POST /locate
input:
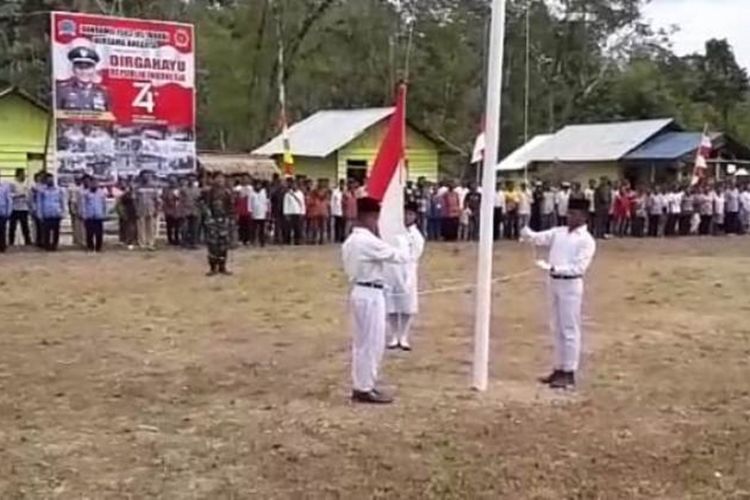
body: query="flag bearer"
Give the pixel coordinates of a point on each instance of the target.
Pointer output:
(364, 256)
(572, 249)
(402, 301)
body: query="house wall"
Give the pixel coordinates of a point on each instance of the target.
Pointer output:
(421, 153)
(315, 168)
(23, 128)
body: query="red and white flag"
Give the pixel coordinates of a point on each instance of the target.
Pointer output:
(477, 154)
(701, 159)
(388, 175)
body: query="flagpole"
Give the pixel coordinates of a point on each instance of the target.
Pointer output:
(489, 176)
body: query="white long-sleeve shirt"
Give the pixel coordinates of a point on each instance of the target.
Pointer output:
(365, 256)
(337, 199)
(259, 204)
(570, 253)
(562, 198)
(294, 203)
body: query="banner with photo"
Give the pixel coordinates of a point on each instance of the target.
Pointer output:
(124, 96)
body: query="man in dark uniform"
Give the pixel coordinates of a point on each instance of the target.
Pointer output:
(82, 93)
(217, 204)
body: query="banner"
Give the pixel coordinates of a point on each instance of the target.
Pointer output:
(124, 96)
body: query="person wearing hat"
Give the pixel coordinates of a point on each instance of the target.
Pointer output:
(81, 92)
(365, 255)
(402, 301)
(572, 249)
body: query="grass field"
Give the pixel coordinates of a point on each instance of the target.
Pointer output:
(131, 375)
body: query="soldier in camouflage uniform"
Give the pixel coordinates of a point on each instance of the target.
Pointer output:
(217, 204)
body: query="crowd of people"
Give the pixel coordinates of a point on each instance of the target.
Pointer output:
(296, 211)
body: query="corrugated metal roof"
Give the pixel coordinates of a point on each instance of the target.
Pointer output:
(326, 131)
(598, 141)
(520, 158)
(667, 146)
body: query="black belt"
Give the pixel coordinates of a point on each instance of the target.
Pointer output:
(560, 277)
(377, 286)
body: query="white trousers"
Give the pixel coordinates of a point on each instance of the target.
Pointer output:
(399, 326)
(367, 308)
(565, 320)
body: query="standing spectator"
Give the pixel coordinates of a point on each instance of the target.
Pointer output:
(451, 204)
(259, 205)
(37, 187)
(602, 205)
(294, 211)
(21, 205)
(547, 208)
(50, 211)
(461, 190)
(537, 198)
(410, 193)
(732, 215)
(655, 208)
(562, 198)
(242, 192)
(320, 213)
(705, 203)
(6, 208)
(499, 211)
(589, 194)
(639, 213)
(170, 200)
(687, 210)
(75, 208)
(147, 209)
(94, 213)
(350, 206)
(423, 190)
(745, 209)
(308, 224)
(511, 210)
(622, 211)
(673, 200)
(128, 216)
(525, 200)
(190, 194)
(473, 202)
(719, 206)
(276, 193)
(434, 214)
(337, 211)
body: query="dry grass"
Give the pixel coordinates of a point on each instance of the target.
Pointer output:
(133, 376)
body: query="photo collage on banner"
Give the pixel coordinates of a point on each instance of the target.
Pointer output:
(124, 96)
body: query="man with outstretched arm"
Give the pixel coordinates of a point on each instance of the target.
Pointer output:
(572, 249)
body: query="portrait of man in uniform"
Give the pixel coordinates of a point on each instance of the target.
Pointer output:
(82, 92)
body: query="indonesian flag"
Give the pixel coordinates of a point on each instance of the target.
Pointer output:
(477, 154)
(701, 164)
(388, 175)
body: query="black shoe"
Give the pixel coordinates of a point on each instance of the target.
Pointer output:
(225, 272)
(564, 381)
(551, 377)
(371, 397)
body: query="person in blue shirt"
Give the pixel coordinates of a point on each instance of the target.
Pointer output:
(94, 212)
(6, 208)
(50, 210)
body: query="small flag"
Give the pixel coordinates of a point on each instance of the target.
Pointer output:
(701, 159)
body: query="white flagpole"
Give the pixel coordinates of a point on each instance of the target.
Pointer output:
(489, 176)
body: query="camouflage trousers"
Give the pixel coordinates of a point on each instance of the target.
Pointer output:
(218, 239)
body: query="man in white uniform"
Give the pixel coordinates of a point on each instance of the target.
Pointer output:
(572, 249)
(365, 255)
(402, 300)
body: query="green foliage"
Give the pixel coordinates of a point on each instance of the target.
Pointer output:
(589, 60)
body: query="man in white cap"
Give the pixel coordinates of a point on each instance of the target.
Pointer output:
(402, 301)
(572, 249)
(365, 255)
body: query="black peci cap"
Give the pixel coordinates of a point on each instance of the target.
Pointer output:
(368, 205)
(578, 204)
(83, 55)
